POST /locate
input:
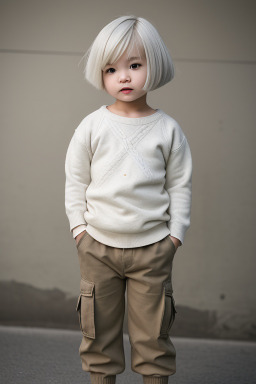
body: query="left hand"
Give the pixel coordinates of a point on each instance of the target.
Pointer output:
(175, 241)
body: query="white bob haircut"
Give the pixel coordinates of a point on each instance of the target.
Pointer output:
(123, 34)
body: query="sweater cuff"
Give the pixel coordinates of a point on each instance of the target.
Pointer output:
(78, 230)
(177, 230)
(76, 218)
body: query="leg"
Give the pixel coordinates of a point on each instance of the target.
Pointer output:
(151, 311)
(101, 308)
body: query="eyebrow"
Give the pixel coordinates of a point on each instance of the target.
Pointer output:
(134, 58)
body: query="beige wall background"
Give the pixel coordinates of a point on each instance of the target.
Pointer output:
(44, 98)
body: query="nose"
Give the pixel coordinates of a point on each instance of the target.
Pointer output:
(124, 77)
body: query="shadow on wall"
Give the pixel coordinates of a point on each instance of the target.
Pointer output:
(24, 305)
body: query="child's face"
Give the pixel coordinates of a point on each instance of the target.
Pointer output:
(125, 78)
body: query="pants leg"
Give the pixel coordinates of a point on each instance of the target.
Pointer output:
(151, 311)
(101, 306)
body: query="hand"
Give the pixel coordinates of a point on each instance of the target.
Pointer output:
(175, 241)
(78, 237)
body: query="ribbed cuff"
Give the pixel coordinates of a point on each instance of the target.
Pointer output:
(97, 378)
(155, 379)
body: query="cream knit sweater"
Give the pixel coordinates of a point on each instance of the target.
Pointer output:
(128, 180)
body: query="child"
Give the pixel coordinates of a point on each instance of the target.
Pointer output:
(127, 197)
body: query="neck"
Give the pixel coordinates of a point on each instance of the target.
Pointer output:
(136, 108)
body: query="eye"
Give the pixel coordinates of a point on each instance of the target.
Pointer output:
(135, 66)
(110, 70)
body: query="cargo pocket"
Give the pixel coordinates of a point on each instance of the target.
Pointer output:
(85, 308)
(169, 310)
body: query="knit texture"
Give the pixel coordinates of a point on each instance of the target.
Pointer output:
(128, 180)
(155, 380)
(100, 379)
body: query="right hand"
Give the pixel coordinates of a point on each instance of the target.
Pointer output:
(78, 237)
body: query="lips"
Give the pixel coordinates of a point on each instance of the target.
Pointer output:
(126, 90)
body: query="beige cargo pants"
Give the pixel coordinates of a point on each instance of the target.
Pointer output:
(106, 272)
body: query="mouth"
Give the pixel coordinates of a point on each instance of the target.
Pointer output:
(126, 90)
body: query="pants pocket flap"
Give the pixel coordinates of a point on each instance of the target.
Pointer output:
(86, 287)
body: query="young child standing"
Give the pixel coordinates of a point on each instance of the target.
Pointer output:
(127, 197)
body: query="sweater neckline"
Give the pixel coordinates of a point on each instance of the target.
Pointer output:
(132, 120)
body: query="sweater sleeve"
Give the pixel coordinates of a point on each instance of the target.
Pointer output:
(77, 169)
(77, 230)
(178, 185)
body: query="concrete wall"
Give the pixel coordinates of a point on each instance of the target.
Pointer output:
(43, 99)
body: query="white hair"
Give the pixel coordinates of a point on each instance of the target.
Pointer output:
(119, 35)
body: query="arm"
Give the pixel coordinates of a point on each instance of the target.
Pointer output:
(77, 169)
(79, 229)
(178, 185)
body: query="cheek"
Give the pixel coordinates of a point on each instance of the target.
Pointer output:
(109, 82)
(105, 82)
(142, 79)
